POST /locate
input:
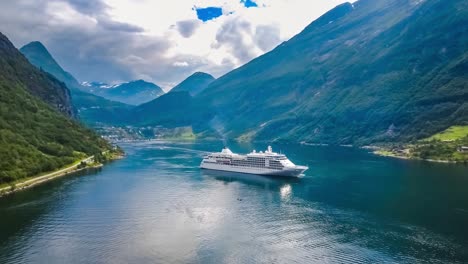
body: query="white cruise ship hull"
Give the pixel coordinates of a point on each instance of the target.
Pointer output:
(296, 171)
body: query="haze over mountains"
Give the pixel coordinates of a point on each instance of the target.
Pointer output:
(91, 109)
(371, 71)
(132, 93)
(103, 104)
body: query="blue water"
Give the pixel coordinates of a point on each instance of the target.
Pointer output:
(156, 206)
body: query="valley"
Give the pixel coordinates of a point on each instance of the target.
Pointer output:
(234, 131)
(390, 85)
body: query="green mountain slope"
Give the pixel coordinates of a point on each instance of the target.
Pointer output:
(132, 93)
(37, 133)
(16, 68)
(380, 70)
(175, 108)
(169, 110)
(92, 109)
(195, 83)
(96, 110)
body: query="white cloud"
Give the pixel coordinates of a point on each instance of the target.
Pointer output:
(162, 41)
(181, 64)
(224, 38)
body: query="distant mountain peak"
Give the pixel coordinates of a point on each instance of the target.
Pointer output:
(39, 56)
(133, 92)
(195, 83)
(202, 74)
(36, 44)
(38, 49)
(138, 81)
(138, 84)
(99, 85)
(331, 16)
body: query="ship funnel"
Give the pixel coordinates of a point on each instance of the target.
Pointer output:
(226, 151)
(270, 150)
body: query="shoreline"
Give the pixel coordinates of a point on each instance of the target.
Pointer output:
(388, 155)
(374, 149)
(37, 180)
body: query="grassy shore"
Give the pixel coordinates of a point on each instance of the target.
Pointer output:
(442, 147)
(82, 164)
(451, 134)
(180, 133)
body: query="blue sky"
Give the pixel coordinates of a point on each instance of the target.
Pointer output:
(249, 3)
(155, 40)
(208, 13)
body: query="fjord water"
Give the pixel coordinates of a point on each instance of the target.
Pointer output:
(157, 206)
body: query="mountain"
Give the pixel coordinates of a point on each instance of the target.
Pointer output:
(169, 110)
(39, 56)
(37, 131)
(17, 69)
(94, 87)
(97, 111)
(132, 93)
(372, 71)
(194, 84)
(174, 108)
(92, 109)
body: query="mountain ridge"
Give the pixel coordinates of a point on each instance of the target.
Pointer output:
(170, 110)
(343, 79)
(135, 92)
(195, 83)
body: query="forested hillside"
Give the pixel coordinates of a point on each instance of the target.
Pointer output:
(169, 110)
(37, 131)
(16, 68)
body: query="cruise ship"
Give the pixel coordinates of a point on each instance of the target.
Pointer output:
(260, 163)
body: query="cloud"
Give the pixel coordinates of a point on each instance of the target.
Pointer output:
(159, 41)
(181, 64)
(235, 35)
(187, 28)
(119, 26)
(89, 7)
(267, 37)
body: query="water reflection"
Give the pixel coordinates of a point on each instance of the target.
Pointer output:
(281, 184)
(286, 192)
